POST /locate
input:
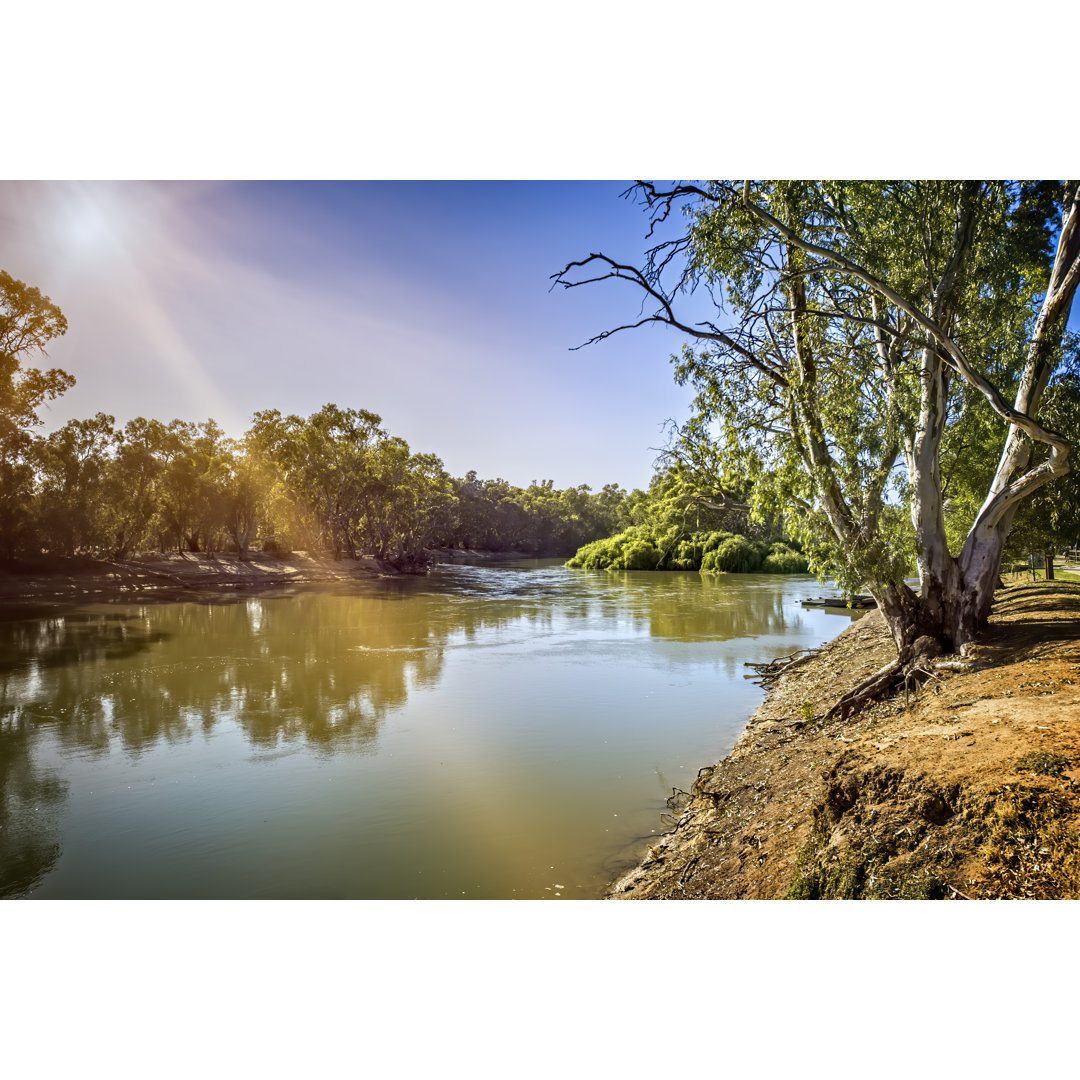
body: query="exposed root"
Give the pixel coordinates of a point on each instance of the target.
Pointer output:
(871, 688)
(954, 665)
(913, 670)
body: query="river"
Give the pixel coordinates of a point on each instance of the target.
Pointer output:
(484, 732)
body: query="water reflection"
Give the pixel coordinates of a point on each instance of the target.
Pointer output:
(325, 669)
(58, 640)
(31, 804)
(94, 694)
(313, 668)
(673, 606)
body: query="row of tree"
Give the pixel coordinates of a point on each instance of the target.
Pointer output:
(333, 481)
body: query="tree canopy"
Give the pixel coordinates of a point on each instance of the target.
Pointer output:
(874, 345)
(28, 322)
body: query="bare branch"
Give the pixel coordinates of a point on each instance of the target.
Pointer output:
(632, 274)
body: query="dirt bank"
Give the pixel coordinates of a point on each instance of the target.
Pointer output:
(970, 790)
(172, 576)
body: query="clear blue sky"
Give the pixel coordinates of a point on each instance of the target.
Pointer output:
(426, 302)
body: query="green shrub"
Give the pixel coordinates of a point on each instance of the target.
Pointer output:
(595, 556)
(639, 555)
(782, 559)
(736, 555)
(685, 555)
(708, 563)
(711, 541)
(788, 563)
(640, 548)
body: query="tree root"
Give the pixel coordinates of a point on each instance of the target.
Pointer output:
(912, 669)
(955, 665)
(873, 686)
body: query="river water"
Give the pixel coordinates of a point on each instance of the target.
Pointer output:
(484, 732)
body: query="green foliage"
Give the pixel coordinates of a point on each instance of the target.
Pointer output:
(736, 555)
(783, 559)
(639, 555)
(1050, 520)
(641, 547)
(28, 322)
(632, 549)
(71, 506)
(678, 525)
(493, 515)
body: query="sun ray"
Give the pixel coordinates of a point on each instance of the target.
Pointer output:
(125, 241)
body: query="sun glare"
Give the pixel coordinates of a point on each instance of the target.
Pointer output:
(116, 256)
(92, 223)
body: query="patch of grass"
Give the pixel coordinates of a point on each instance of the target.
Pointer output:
(857, 874)
(1023, 576)
(1043, 763)
(1030, 850)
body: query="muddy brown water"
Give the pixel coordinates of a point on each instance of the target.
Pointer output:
(485, 732)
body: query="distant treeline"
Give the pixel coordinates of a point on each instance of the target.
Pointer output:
(334, 481)
(337, 481)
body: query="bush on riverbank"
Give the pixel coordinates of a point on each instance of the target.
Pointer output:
(640, 548)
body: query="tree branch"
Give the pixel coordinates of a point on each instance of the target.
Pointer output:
(631, 273)
(953, 354)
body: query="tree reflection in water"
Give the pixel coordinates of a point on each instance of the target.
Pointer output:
(31, 804)
(314, 669)
(305, 667)
(318, 670)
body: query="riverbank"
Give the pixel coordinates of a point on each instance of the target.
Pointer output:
(969, 790)
(471, 557)
(173, 575)
(178, 574)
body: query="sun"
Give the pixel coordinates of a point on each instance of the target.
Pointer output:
(92, 222)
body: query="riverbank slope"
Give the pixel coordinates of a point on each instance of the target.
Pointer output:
(969, 790)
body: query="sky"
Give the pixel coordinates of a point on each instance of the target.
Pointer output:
(429, 303)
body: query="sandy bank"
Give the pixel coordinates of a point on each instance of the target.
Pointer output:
(173, 576)
(970, 790)
(180, 575)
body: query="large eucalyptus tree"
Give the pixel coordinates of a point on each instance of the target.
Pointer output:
(859, 332)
